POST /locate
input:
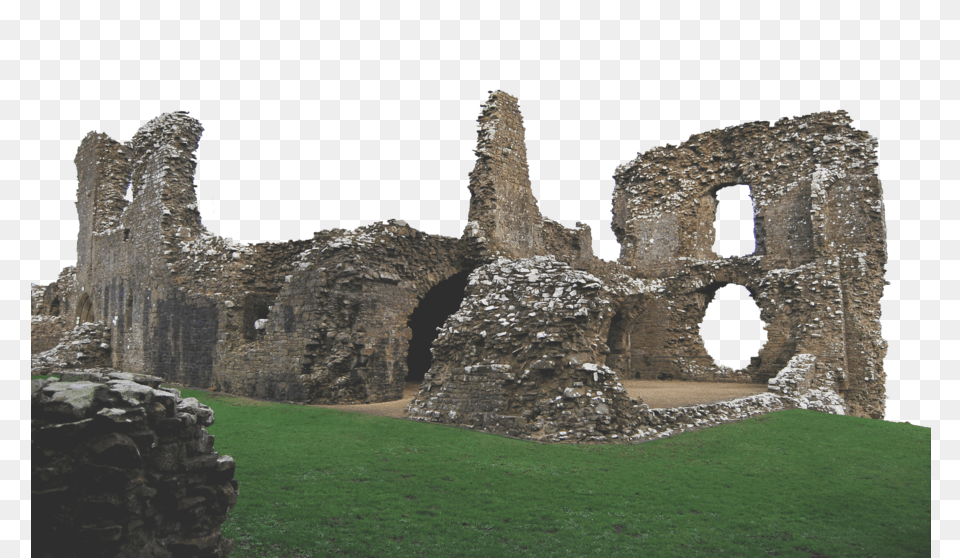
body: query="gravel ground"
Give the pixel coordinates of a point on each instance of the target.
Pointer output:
(656, 394)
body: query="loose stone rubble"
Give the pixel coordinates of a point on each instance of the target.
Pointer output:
(123, 467)
(86, 346)
(535, 333)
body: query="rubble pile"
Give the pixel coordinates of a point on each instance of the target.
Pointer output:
(85, 346)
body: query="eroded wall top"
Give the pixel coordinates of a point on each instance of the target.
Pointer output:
(664, 202)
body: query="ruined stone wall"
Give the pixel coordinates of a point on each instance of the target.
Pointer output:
(121, 275)
(503, 210)
(52, 315)
(85, 346)
(816, 274)
(341, 317)
(124, 467)
(524, 355)
(338, 332)
(45, 333)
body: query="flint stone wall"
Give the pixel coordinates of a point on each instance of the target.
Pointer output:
(534, 329)
(124, 467)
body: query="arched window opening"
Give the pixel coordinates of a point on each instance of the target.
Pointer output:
(734, 222)
(732, 330)
(437, 305)
(85, 309)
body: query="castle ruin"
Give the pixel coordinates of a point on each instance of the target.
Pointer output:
(515, 327)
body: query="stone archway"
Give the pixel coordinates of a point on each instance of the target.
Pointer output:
(437, 305)
(85, 309)
(620, 357)
(723, 332)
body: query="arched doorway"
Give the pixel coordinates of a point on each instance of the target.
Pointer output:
(85, 309)
(437, 305)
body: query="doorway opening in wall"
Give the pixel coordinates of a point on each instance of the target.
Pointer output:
(85, 309)
(437, 305)
(734, 222)
(732, 330)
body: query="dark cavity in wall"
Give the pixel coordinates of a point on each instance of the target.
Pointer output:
(255, 307)
(85, 308)
(439, 302)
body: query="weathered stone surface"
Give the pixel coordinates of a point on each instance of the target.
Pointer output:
(545, 330)
(86, 346)
(816, 273)
(110, 473)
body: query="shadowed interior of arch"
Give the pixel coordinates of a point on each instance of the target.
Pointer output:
(437, 305)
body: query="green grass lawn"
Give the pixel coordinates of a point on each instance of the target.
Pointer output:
(318, 482)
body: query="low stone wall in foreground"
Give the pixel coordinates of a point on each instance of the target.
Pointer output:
(600, 411)
(122, 467)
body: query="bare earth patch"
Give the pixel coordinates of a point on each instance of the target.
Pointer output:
(658, 394)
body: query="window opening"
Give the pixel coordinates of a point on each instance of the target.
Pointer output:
(734, 222)
(256, 310)
(732, 330)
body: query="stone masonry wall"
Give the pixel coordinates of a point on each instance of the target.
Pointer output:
(818, 224)
(45, 333)
(124, 467)
(85, 346)
(503, 209)
(338, 318)
(338, 330)
(524, 355)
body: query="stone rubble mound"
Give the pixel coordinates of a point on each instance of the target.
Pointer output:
(86, 346)
(531, 331)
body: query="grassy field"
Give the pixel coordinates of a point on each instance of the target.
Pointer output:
(318, 482)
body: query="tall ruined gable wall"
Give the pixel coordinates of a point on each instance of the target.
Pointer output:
(816, 273)
(149, 267)
(502, 203)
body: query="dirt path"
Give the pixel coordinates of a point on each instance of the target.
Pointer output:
(656, 394)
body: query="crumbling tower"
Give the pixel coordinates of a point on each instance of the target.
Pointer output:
(503, 215)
